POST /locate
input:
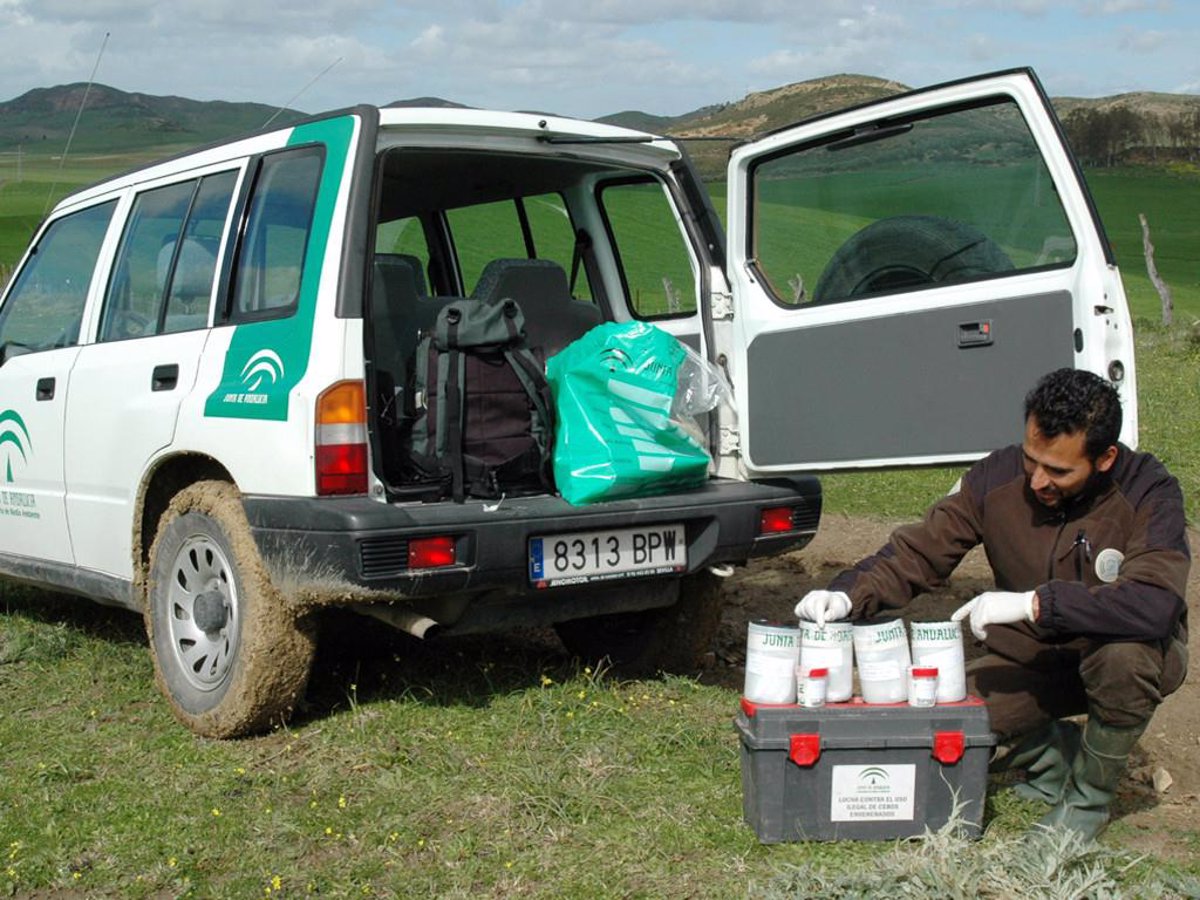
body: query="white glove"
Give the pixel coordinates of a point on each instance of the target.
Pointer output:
(996, 608)
(823, 606)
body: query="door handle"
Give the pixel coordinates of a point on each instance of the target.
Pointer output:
(164, 378)
(45, 388)
(975, 334)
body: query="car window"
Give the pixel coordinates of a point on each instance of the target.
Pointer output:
(45, 304)
(484, 232)
(405, 237)
(163, 276)
(270, 262)
(193, 263)
(948, 197)
(489, 231)
(554, 239)
(654, 261)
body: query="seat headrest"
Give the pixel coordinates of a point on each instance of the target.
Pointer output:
(522, 279)
(403, 264)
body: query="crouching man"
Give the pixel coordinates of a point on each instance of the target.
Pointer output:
(1087, 542)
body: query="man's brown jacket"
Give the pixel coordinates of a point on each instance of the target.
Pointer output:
(1110, 564)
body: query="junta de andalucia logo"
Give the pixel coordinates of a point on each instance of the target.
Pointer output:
(15, 443)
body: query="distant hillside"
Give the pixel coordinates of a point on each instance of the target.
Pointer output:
(433, 102)
(116, 121)
(1128, 128)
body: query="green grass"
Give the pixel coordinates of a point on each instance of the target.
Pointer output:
(1170, 198)
(481, 767)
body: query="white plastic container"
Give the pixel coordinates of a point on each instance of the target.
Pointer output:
(883, 661)
(830, 647)
(922, 686)
(772, 652)
(940, 645)
(811, 686)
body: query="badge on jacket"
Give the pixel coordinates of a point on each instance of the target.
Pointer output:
(1108, 564)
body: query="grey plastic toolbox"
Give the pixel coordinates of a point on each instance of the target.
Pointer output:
(862, 772)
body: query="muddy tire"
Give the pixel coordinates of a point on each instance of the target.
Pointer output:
(908, 251)
(229, 656)
(669, 639)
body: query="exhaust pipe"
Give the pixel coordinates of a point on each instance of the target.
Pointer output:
(406, 620)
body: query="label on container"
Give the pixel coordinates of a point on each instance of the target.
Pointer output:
(873, 793)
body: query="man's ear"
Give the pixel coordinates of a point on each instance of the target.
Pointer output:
(1105, 460)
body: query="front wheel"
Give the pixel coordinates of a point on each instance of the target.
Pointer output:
(229, 656)
(669, 639)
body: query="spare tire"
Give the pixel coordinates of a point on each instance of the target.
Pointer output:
(908, 251)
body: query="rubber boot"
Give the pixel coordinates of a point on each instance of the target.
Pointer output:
(1046, 756)
(1097, 768)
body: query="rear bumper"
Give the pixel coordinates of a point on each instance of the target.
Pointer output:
(359, 547)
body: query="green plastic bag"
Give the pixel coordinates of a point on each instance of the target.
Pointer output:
(615, 435)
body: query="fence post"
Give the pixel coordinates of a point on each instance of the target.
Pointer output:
(1164, 292)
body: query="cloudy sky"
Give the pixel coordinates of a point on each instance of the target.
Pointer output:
(584, 58)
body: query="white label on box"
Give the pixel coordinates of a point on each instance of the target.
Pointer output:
(872, 793)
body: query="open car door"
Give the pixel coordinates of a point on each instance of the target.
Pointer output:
(904, 271)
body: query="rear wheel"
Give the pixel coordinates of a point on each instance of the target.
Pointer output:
(229, 655)
(670, 639)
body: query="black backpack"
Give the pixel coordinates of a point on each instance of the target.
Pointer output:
(482, 420)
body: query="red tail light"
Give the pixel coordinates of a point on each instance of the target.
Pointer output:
(431, 552)
(341, 439)
(776, 520)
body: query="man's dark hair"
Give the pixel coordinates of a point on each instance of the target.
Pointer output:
(1068, 401)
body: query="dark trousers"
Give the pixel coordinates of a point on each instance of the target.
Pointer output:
(1030, 677)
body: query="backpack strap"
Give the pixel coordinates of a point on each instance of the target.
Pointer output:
(533, 379)
(453, 405)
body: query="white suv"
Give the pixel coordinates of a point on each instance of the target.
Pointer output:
(200, 362)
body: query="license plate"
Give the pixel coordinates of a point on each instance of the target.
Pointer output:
(562, 559)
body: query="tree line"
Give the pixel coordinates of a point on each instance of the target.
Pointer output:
(1119, 134)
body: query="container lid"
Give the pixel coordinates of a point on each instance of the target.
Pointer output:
(925, 672)
(819, 673)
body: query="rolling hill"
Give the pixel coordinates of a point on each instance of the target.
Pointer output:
(115, 121)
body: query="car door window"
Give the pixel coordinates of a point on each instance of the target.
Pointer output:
(949, 196)
(193, 263)
(45, 305)
(138, 282)
(654, 261)
(163, 276)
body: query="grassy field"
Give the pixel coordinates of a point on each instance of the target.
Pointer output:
(468, 768)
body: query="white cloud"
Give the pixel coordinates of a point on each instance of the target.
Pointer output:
(1123, 7)
(1142, 41)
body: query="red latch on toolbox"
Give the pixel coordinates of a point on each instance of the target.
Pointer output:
(804, 749)
(948, 747)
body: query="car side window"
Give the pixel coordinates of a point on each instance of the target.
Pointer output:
(163, 276)
(270, 261)
(944, 197)
(193, 262)
(655, 265)
(45, 305)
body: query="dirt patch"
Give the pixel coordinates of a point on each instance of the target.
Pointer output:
(1159, 798)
